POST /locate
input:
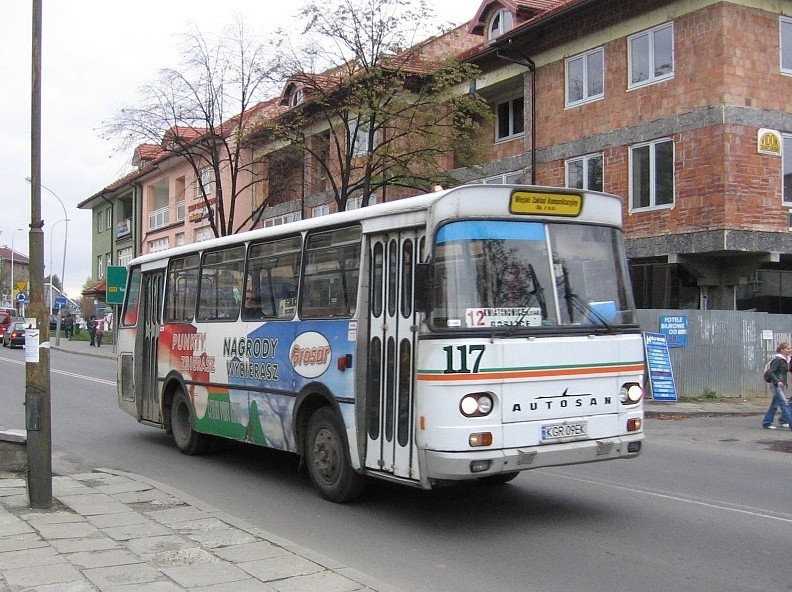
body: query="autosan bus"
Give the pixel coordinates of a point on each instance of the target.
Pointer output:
(467, 334)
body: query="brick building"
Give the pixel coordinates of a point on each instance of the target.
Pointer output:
(680, 107)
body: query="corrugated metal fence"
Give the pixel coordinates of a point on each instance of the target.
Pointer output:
(726, 350)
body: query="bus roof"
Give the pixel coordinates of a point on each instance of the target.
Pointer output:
(605, 210)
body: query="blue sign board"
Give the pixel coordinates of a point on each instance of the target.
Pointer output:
(675, 328)
(658, 360)
(61, 302)
(22, 297)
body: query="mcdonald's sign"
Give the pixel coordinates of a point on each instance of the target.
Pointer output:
(769, 142)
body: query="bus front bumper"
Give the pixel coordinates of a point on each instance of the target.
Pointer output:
(460, 466)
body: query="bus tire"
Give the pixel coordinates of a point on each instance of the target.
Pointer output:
(499, 479)
(187, 440)
(328, 459)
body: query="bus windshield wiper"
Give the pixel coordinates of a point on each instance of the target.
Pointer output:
(576, 302)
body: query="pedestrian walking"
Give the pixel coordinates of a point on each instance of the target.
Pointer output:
(99, 332)
(779, 373)
(92, 330)
(68, 326)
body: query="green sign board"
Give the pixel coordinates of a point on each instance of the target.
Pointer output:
(116, 284)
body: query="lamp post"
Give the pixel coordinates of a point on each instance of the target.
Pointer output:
(51, 285)
(65, 236)
(13, 234)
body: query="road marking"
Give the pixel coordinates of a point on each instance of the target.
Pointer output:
(64, 373)
(715, 504)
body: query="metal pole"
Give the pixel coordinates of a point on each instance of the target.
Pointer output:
(51, 285)
(13, 235)
(38, 419)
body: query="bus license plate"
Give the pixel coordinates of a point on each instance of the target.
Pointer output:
(564, 431)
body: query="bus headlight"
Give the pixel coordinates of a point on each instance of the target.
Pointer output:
(630, 393)
(476, 404)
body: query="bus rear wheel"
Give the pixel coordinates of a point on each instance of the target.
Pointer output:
(187, 440)
(328, 460)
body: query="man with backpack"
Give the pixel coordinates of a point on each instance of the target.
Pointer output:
(777, 372)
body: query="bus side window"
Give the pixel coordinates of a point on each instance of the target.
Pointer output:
(221, 281)
(273, 272)
(331, 272)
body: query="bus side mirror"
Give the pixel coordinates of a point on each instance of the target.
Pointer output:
(424, 285)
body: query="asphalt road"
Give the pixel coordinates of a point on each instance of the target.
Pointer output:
(704, 508)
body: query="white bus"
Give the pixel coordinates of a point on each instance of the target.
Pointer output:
(467, 334)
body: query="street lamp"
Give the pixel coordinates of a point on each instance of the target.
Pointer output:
(13, 235)
(65, 238)
(52, 234)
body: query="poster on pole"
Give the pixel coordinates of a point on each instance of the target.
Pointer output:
(658, 360)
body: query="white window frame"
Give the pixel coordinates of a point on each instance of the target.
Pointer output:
(512, 119)
(100, 222)
(587, 60)
(785, 25)
(159, 244)
(585, 160)
(204, 180)
(181, 211)
(501, 21)
(786, 168)
(652, 76)
(359, 140)
(510, 178)
(125, 255)
(100, 267)
(321, 210)
(652, 172)
(109, 219)
(296, 97)
(284, 219)
(159, 218)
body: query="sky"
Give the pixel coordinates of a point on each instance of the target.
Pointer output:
(96, 54)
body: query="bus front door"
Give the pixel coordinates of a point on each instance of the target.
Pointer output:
(389, 379)
(147, 343)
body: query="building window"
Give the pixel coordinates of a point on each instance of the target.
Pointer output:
(322, 210)
(99, 222)
(203, 234)
(787, 172)
(125, 256)
(511, 121)
(585, 77)
(180, 239)
(158, 245)
(204, 186)
(159, 218)
(181, 210)
(100, 267)
(501, 22)
(785, 31)
(358, 136)
(109, 219)
(511, 178)
(585, 172)
(296, 97)
(285, 219)
(651, 55)
(652, 174)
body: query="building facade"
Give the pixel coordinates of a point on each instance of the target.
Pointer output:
(679, 107)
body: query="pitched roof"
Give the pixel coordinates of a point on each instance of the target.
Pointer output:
(96, 289)
(5, 254)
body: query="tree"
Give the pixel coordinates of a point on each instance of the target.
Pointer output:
(200, 112)
(372, 108)
(55, 281)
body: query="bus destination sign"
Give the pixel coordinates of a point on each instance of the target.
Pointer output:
(546, 204)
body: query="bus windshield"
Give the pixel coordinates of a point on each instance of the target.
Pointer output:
(491, 273)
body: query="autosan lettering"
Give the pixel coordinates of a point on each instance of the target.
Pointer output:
(565, 402)
(310, 354)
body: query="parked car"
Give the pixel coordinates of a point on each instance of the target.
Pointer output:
(5, 321)
(14, 335)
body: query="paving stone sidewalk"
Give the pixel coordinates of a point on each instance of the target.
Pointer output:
(118, 532)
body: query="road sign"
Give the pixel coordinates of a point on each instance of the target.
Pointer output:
(116, 284)
(22, 297)
(61, 302)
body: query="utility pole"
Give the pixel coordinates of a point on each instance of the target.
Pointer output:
(38, 416)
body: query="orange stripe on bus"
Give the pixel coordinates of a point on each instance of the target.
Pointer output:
(529, 373)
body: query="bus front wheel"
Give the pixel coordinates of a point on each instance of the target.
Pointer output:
(328, 460)
(187, 440)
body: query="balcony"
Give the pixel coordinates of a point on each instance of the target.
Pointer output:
(159, 218)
